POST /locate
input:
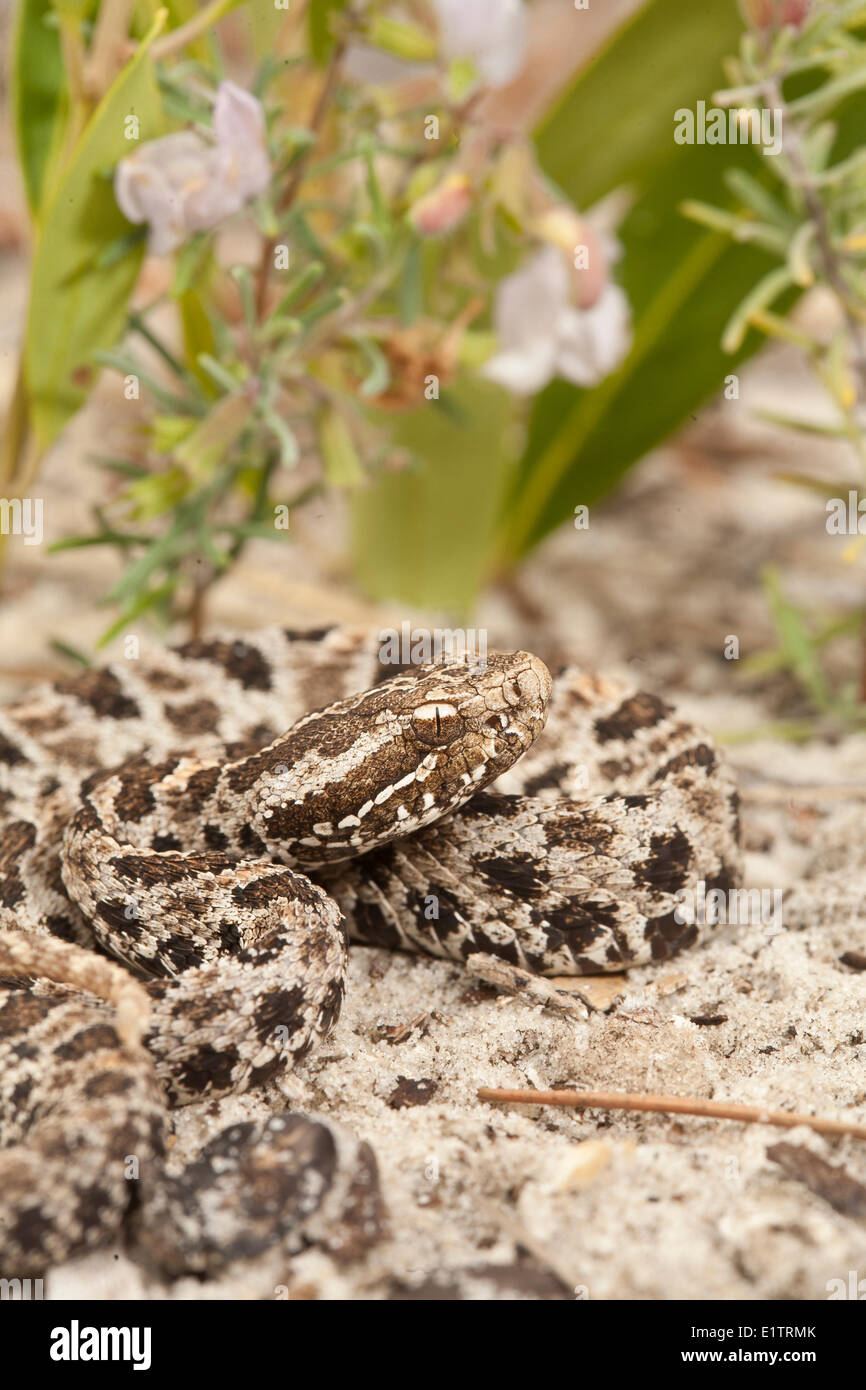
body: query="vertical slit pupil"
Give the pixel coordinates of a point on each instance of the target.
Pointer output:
(438, 722)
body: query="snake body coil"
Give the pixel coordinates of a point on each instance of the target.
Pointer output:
(160, 813)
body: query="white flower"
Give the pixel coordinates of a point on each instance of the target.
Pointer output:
(542, 335)
(239, 127)
(492, 33)
(185, 183)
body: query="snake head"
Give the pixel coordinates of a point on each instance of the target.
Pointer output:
(384, 763)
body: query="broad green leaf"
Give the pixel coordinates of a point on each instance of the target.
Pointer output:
(343, 468)
(38, 93)
(422, 534)
(266, 25)
(76, 305)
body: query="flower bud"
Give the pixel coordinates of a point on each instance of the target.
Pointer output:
(773, 14)
(561, 226)
(443, 208)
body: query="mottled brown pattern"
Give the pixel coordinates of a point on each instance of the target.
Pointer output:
(150, 814)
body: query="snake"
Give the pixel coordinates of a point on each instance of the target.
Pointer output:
(190, 840)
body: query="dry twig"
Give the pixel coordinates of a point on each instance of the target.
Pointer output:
(673, 1105)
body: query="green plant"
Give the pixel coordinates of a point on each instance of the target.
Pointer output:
(812, 220)
(360, 340)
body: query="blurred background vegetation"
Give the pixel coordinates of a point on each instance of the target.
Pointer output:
(338, 326)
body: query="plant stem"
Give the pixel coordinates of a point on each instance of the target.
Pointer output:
(317, 119)
(106, 55)
(199, 24)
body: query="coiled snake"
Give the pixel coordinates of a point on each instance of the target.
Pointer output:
(157, 812)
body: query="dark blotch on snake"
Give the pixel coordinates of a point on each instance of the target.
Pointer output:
(640, 711)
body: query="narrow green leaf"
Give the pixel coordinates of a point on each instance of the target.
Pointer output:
(412, 285)
(757, 198)
(822, 101)
(736, 226)
(378, 376)
(790, 422)
(799, 650)
(767, 290)
(151, 599)
(125, 468)
(289, 451)
(218, 373)
(128, 365)
(163, 552)
(300, 286)
(799, 262)
(71, 653)
(86, 542)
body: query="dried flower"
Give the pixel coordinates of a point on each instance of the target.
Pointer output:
(543, 335)
(185, 183)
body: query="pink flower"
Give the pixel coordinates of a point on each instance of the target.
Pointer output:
(542, 334)
(185, 183)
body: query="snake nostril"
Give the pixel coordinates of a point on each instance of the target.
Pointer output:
(496, 722)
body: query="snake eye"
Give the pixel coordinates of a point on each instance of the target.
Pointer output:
(436, 723)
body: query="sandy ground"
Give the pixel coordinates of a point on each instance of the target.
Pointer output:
(566, 1203)
(557, 1203)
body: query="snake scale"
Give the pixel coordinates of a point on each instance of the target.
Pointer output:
(185, 843)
